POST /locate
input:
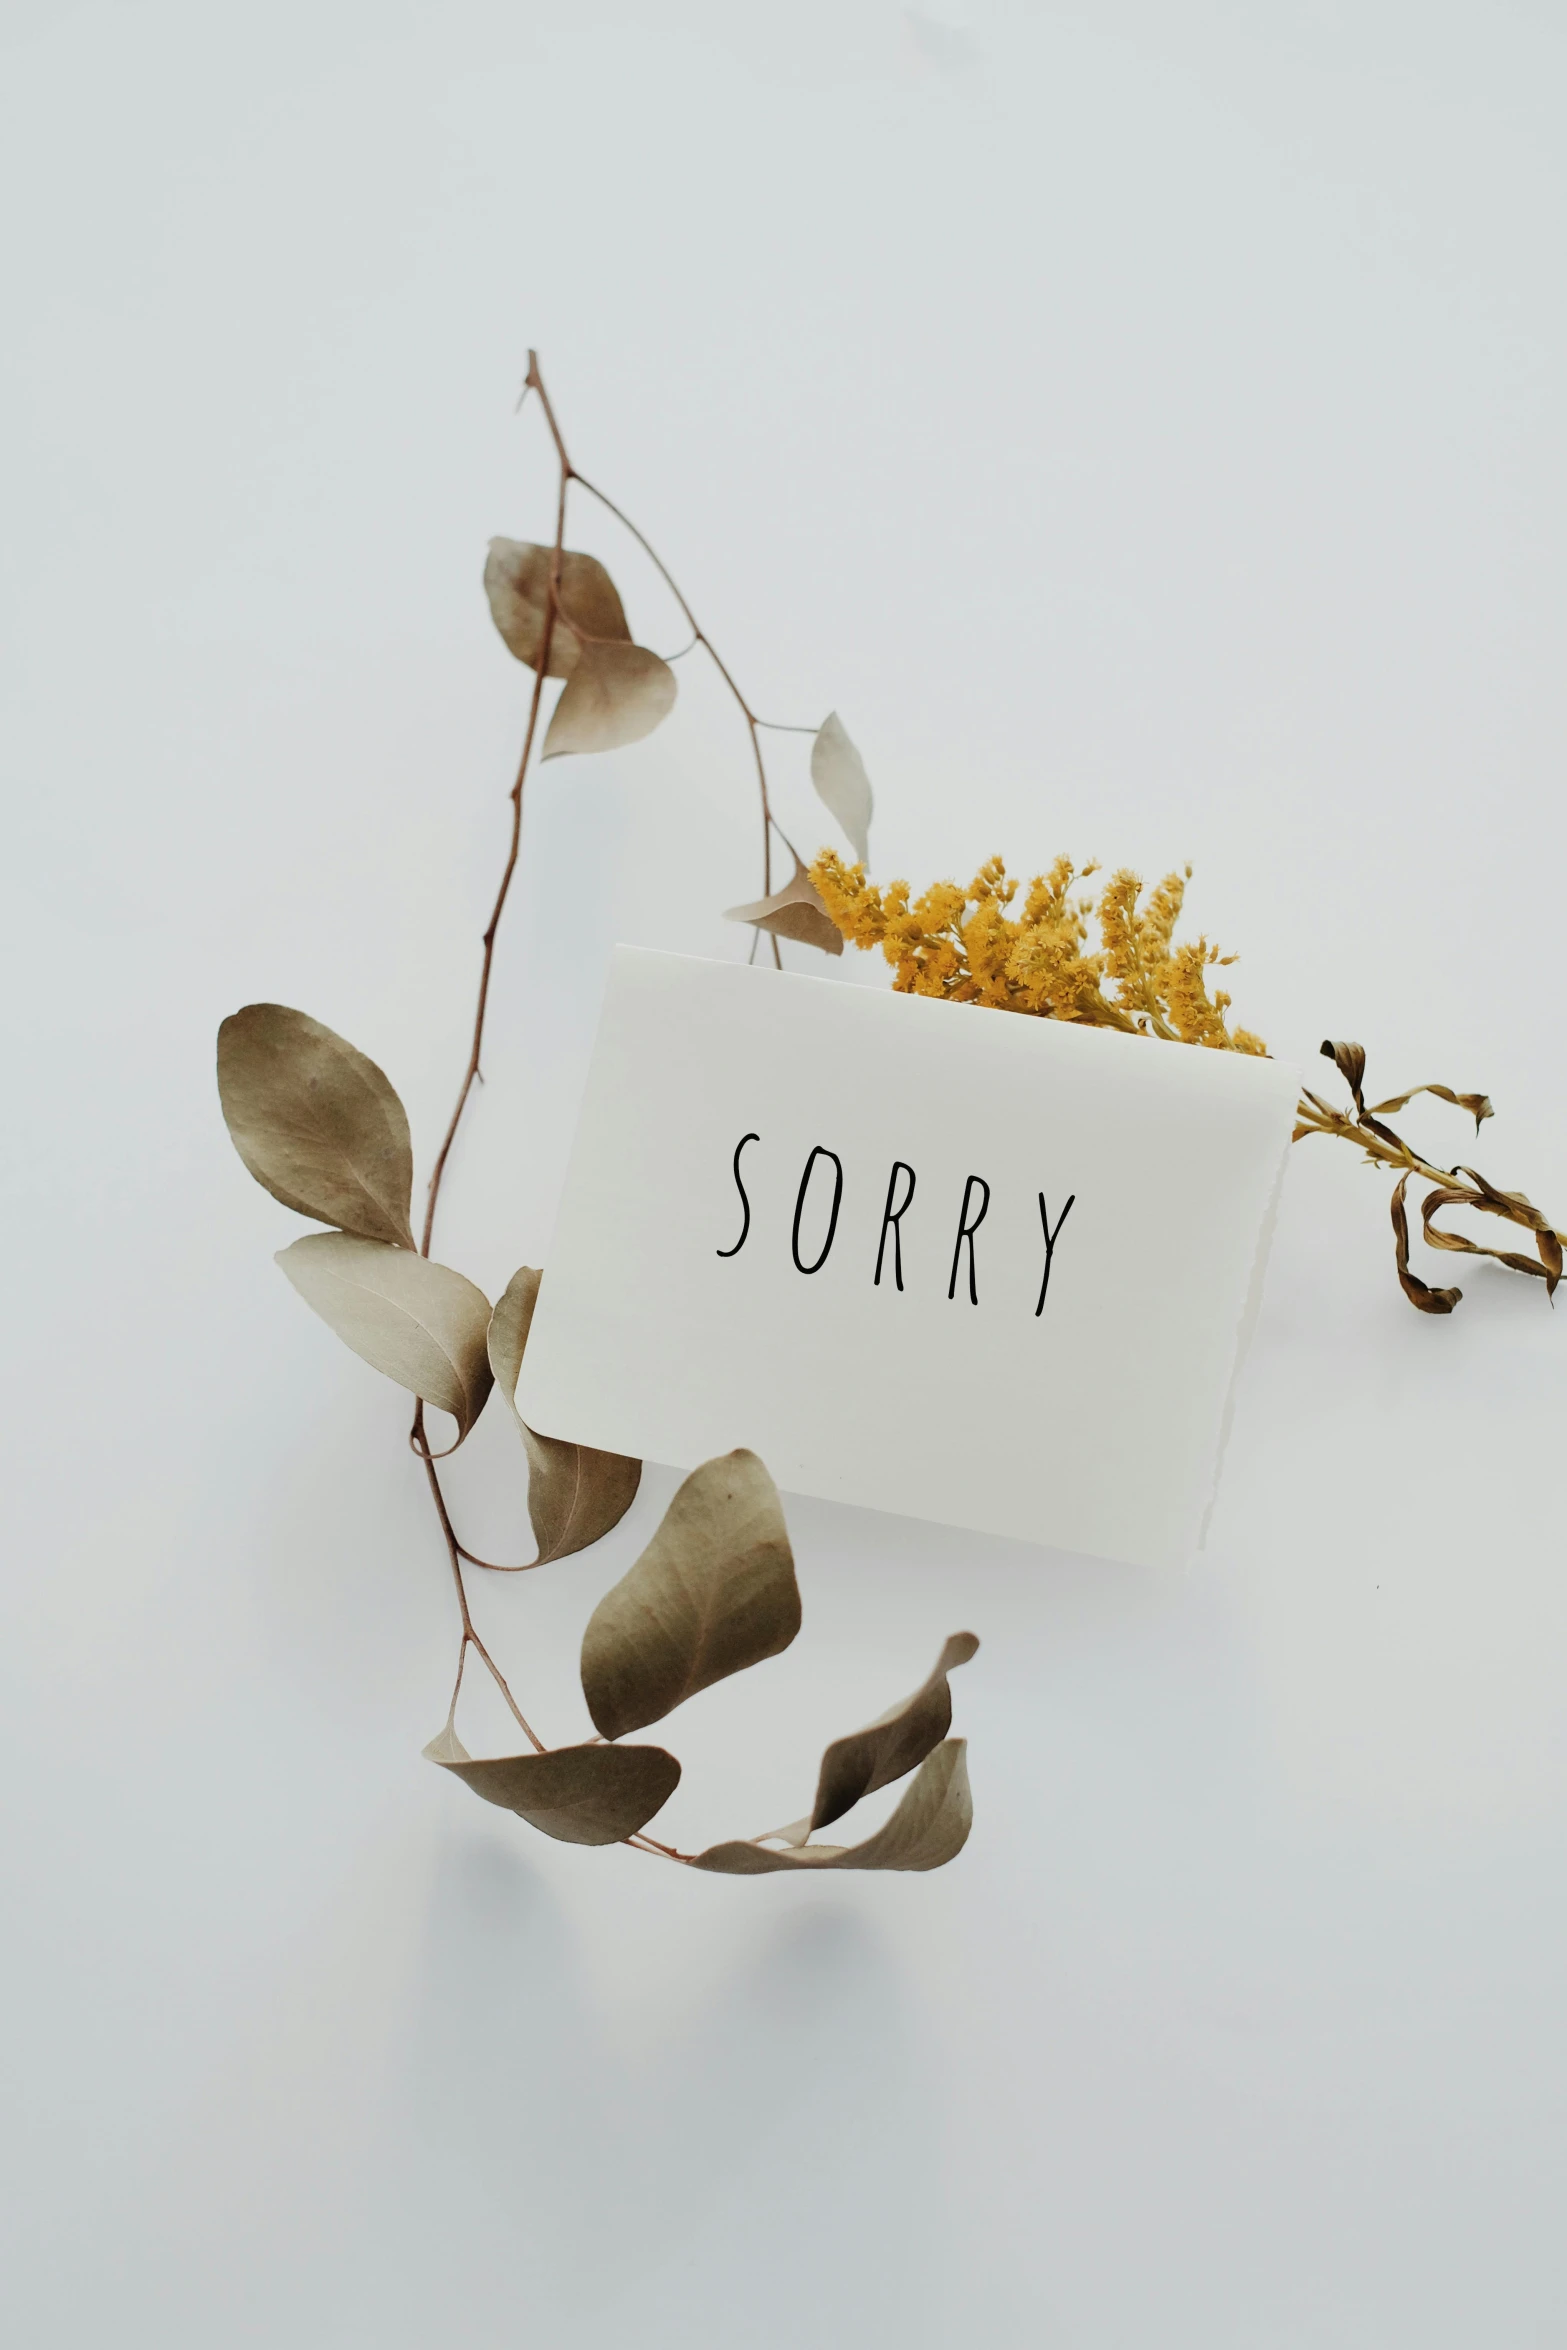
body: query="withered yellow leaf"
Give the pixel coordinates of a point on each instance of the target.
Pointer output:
(615, 694)
(316, 1123)
(842, 785)
(930, 1827)
(713, 1592)
(419, 1323)
(575, 1494)
(796, 911)
(577, 1794)
(898, 1739)
(516, 581)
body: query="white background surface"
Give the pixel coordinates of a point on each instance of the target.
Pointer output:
(1144, 424)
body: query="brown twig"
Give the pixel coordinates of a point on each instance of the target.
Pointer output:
(470, 1638)
(1456, 1187)
(1317, 1117)
(457, 1552)
(770, 823)
(551, 606)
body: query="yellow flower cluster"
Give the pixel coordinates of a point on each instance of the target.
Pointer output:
(965, 946)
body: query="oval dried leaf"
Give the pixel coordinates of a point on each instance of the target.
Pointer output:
(796, 911)
(575, 1495)
(615, 695)
(316, 1123)
(516, 581)
(898, 1739)
(930, 1827)
(842, 785)
(577, 1794)
(419, 1323)
(713, 1592)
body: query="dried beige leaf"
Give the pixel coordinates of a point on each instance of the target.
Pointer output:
(1350, 1061)
(578, 1794)
(1477, 1104)
(316, 1123)
(615, 695)
(1516, 1207)
(898, 1739)
(517, 579)
(796, 911)
(575, 1495)
(419, 1323)
(1419, 1293)
(447, 1747)
(842, 785)
(929, 1828)
(713, 1592)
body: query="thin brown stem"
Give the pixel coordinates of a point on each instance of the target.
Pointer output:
(472, 1074)
(551, 607)
(470, 1635)
(699, 635)
(497, 1567)
(1313, 1117)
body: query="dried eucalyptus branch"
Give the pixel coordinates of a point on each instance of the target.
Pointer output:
(714, 1592)
(963, 945)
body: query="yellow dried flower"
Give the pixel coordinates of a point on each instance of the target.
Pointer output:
(963, 945)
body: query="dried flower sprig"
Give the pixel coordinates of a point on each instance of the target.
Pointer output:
(962, 945)
(320, 1126)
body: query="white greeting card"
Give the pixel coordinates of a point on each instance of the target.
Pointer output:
(957, 1263)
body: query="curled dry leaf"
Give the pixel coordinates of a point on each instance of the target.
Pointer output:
(1350, 1061)
(1477, 1104)
(713, 1592)
(842, 785)
(898, 1739)
(517, 579)
(575, 1494)
(615, 694)
(316, 1123)
(578, 1794)
(1515, 1207)
(929, 1828)
(419, 1323)
(1419, 1293)
(796, 911)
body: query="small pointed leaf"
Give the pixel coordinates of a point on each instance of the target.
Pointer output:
(577, 1794)
(1477, 1104)
(419, 1323)
(713, 1592)
(929, 1828)
(516, 580)
(795, 911)
(447, 1747)
(316, 1123)
(575, 1494)
(1350, 1061)
(615, 695)
(842, 785)
(893, 1743)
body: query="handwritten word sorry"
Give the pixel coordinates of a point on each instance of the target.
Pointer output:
(900, 1197)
